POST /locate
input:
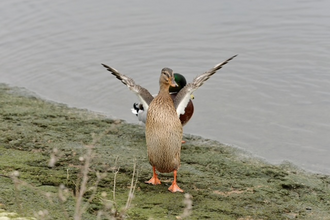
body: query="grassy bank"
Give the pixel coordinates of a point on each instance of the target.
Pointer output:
(49, 153)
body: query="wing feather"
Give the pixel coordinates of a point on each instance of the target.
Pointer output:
(183, 97)
(142, 93)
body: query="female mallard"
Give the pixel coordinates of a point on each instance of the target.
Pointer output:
(163, 126)
(188, 112)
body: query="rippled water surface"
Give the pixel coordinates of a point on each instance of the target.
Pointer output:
(272, 100)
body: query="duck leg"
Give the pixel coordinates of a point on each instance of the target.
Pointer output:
(174, 187)
(154, 180)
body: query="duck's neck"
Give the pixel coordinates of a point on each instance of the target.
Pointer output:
(164, 89)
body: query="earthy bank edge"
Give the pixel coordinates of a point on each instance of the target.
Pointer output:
(224, 182)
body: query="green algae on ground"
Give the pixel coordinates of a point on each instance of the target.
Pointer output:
(224, 182)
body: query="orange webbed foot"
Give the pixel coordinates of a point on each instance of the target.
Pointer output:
(154, 179)
(174, 187)
(183, 142)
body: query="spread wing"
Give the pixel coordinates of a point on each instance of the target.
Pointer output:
(183, 97)
(142, 93)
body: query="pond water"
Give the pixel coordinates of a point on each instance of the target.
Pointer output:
(273, 100)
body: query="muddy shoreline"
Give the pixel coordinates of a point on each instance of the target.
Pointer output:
(223, 182)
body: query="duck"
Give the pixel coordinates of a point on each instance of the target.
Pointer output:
(164, 129)
(189, 110)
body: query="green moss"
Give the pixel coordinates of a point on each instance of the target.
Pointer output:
(225, 183)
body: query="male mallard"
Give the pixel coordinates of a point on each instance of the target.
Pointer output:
(163, 126)
(188, 112)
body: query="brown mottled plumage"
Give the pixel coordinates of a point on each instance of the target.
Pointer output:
(163, 126)
(162, 134)
(164, 131)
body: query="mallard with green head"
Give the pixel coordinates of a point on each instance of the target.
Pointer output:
(163, 127)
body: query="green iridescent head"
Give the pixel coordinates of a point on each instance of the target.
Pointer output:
(180, 80)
